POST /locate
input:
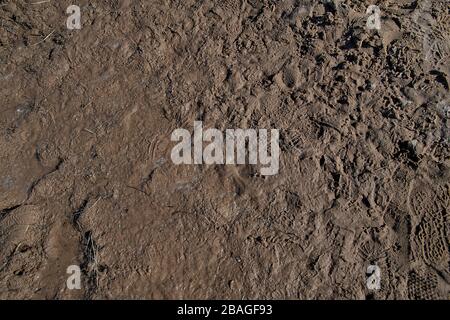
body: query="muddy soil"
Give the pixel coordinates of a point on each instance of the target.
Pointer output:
(86, 176)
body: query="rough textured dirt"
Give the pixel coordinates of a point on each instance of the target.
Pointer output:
(86, 176)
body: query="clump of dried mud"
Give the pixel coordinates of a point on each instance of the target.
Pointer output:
(86, 177)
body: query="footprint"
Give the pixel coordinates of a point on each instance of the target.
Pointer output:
(21, 234)
(372, 252)
(290, 76)
(431, 242)
(422, 286)
(428, 239)
(18, 227)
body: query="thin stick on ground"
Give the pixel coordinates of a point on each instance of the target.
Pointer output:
(43, 40)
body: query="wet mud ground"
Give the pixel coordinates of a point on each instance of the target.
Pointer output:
(86, 176)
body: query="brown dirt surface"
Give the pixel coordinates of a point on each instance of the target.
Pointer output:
(86, 176)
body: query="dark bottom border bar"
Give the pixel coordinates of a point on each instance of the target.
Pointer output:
(222, 309)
